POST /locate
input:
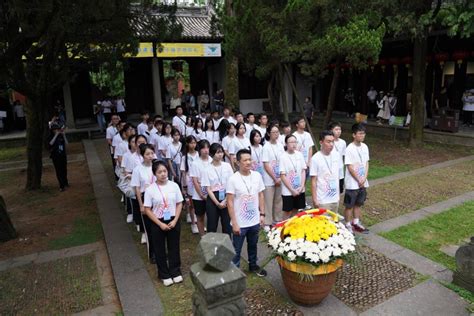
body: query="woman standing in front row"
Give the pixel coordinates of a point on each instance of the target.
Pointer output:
(215, 181)
(142, 178)
(163, 203)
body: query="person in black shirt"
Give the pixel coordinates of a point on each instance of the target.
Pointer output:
(57, 144)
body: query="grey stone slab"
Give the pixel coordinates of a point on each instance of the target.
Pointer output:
(396, 222)
(67, 253)
(445, 205)
(380, 244)
(18, 261)
(136, 290)
(427, 298)
(450, 250)
(329, 306)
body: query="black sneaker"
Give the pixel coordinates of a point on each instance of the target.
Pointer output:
(259, 271)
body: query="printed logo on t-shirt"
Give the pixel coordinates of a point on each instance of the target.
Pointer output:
(248, 209)
(331, 187)
(294, 179)
(275, 167)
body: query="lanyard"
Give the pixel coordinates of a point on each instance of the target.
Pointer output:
(327, 164)
(291, 160)
(165, 203)
(274, 154)
(360, 157)
(249, 189)
(256, 154)
(219, 177)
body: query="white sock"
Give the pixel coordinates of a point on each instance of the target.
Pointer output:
(355, 221)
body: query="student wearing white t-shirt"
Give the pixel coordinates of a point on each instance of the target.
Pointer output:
(179, 120)
(196, 171)
(227, 141)
(174, 155)
(285, 131)
(122, 146)
(340, 148)
(143, 126)
(197, 129)
(110, 133)
(357, 170)
(165, 139)
(209, 133)
(257, 152)
(239, 142)
(246, 206)
(163, 203)
(263, 124)
(189, 156)
(271, 153)
(142, 178)
(135, 158)
(120, 106)
(292, 172)
(226, 116)
(250, 125)
(215, 181)
(125, 177)
(325, 173)
(305, 142)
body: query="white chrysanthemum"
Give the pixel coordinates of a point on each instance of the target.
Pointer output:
(299, 253)
(281, 250)
(322, 244)
(291, 256)
(337, 252)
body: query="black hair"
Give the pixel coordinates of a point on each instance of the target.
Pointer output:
(288, 137)
(156, 164)
(285, 124)
(157, 116)
(243, 152)
(145, 113)
(297, 120)
(144, 147)
(130, 139)
(238, 126)
(252, 135)
(250, 114)
(158, 121)
(163, 128)
(140, 136)
(223, 127)
(209, 119)
(203, 143)
(269, 129)
(190, 119)
(188, 140)
(333, 124)
(125, 128)
(358, 127)
(215, 147)
(238, 113)
(325, 133)
(179, 107)
(174, 130)
(262, 115)
(195, 125)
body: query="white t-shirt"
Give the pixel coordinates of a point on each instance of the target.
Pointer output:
(191, 159)
(196, 170)
(110, 132)
(173, 151)
(305, 142)
(357, 156)
(199, 134)
(327, 171)
(18, 109)
(217, 177)
(142, 128)
(106, 106)
(142, 177)
(291, 165)
(263, 130)
(249, 128)
(155, 141)
(164, 141)
(129, 162)
(230, 119)
(257, 156)
(116, 140)
(163, 199)
(211, 136)
(180, 123)
(271, 153)
(340, 148)
(120, 103)
(245, 190)
(189, 130)
(281, 139)
(217, 122)
(121, 149)
(238, 144)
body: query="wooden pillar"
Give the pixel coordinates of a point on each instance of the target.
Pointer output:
(70, 122)
(155, 75)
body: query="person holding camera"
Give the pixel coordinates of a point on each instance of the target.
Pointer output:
(57, 144)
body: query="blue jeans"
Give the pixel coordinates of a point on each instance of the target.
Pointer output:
(252, 239)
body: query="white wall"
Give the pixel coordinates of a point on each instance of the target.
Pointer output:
(251, 105)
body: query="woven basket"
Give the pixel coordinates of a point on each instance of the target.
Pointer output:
(308, 292)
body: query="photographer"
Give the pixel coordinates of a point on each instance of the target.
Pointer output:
(57, 144)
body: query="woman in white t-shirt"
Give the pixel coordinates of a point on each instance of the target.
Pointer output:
(227, 141)
(190, 154)
(210, 133)
(135, 158)
(293, 173)
(163, 203)
(239, 142)
(189, 129)
(125, 177)
(272, 150)
(165, 138)
(174, 155)
(257, 151)
(215, 181)
(142, 178)
(197, 129)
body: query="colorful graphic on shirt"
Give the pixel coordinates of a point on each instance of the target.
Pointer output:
(248, 209)
(257, 166)
(330, 188)
(360, 170)
(160, 208)
(275, 167)
(294, 179)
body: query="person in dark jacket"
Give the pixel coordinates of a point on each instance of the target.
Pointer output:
(57, 145)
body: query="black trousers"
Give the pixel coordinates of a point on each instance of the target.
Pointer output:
(60, 165)
(147, 224)
(137, 216)
(166, 243)
(214, 213)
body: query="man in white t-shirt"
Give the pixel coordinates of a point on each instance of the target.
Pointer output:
(339, 147)
(142, 128)
(110, 132)
(179, 121)
(120, 106)
(357, 171)
(107, 110)
(226, 115)
(250, 125)
(305, 142)
(246, 207)
(324, 172)
(263, 124)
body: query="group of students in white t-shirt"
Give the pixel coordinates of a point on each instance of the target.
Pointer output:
(224, 175)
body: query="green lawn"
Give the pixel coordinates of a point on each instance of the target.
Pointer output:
(428, 235)
(378, 169)
(13, 153)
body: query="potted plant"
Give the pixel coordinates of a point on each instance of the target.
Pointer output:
(310, 248)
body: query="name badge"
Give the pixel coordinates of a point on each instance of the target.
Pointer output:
(166, 215)
(251, 207)
(221, 194)
(361, 171)
(260, 169)
(332, 184)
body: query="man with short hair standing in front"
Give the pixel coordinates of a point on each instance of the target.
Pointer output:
(246, 207)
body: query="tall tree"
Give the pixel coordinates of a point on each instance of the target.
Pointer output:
(44, 42)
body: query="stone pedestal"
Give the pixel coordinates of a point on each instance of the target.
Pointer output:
(218, 284)
(464, 276)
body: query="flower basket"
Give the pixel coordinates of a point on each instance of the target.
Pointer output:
(310, 248)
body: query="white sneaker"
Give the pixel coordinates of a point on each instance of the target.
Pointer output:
(138, 228)
(194, 228)
(143, 241)
(129, 218)
(168, 282)
(349, 228)
(188, 219)
(121, 199)
(178, 279)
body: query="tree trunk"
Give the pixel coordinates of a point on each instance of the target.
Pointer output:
(231, 89)
(418, 92)
(7, 231)
(35, 129)
(273, 93)
(281, 80)
(332, 93)
(293, 88)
